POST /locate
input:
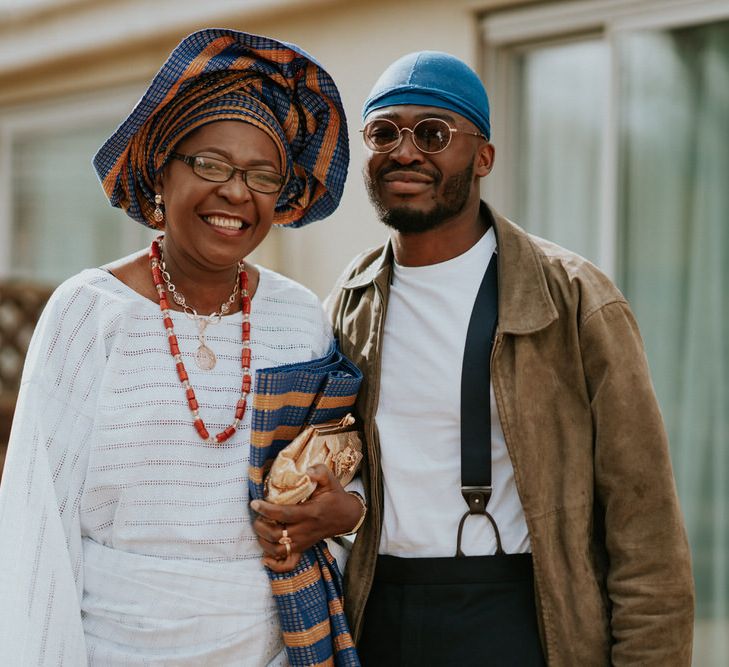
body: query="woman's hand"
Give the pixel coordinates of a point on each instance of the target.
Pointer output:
(329, 511)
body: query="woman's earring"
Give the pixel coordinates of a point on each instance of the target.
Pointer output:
(159, 214)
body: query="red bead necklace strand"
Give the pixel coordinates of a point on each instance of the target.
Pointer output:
(155, 261)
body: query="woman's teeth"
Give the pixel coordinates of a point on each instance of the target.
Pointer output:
(225, 223)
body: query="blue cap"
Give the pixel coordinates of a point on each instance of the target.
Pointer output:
(433, 79)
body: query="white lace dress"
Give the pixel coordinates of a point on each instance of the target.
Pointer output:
(124, 538)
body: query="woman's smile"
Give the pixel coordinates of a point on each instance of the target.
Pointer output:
(226, 222)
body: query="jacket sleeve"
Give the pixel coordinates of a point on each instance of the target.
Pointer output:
(649, 580)
(41, 559)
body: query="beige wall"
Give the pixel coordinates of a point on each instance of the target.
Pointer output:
(87, 49)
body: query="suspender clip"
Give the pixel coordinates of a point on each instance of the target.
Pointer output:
(476, 497)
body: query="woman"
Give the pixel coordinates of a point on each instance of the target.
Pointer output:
(125, 532)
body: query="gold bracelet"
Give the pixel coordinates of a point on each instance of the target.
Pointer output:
(359, 523)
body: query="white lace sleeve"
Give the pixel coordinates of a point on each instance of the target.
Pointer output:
(40, 555)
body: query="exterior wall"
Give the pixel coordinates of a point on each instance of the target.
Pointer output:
(94, 47)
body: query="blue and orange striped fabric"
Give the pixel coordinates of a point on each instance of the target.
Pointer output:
(217, 74)
(309, 599)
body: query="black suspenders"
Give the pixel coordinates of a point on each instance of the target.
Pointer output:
(476, 404)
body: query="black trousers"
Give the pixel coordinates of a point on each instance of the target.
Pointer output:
(476, 610)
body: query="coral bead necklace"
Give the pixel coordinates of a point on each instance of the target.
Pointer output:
(156, 264)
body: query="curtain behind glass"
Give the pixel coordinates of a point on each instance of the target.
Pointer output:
(62, 221)
(675, 200)
(562, 104)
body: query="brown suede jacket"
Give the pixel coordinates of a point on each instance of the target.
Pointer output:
(612, 568)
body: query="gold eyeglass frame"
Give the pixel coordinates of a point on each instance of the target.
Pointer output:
(412, 130)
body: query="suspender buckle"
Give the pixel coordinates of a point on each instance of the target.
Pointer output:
(476, 497)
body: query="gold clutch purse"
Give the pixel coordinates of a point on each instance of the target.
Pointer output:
(336, 444)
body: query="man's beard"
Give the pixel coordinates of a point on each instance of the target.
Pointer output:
(406, 220)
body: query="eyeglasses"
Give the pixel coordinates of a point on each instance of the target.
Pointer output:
(430, 135)
(219, 171)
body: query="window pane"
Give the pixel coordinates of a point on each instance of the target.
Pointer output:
(62, 222)
(674, 201)
(563, 102)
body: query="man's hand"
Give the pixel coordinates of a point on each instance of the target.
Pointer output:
(329, 511)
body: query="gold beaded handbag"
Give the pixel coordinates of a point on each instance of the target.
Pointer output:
(337, 444)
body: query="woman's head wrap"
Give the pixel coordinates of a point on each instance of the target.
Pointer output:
(433, 79)
(229, 75)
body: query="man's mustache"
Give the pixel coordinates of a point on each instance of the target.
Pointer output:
(387, 169)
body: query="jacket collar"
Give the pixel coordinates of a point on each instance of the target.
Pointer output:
(379, 271)
(525, 304)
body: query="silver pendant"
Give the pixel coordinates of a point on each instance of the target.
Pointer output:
(205, 358)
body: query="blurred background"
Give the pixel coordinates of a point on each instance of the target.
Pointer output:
(611, 124)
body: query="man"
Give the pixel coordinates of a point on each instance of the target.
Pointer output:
(581, 556)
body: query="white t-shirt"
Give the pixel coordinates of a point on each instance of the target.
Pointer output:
(419, 416)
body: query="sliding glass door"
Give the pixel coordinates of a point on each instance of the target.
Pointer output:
(674, 201)
(560, 142)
